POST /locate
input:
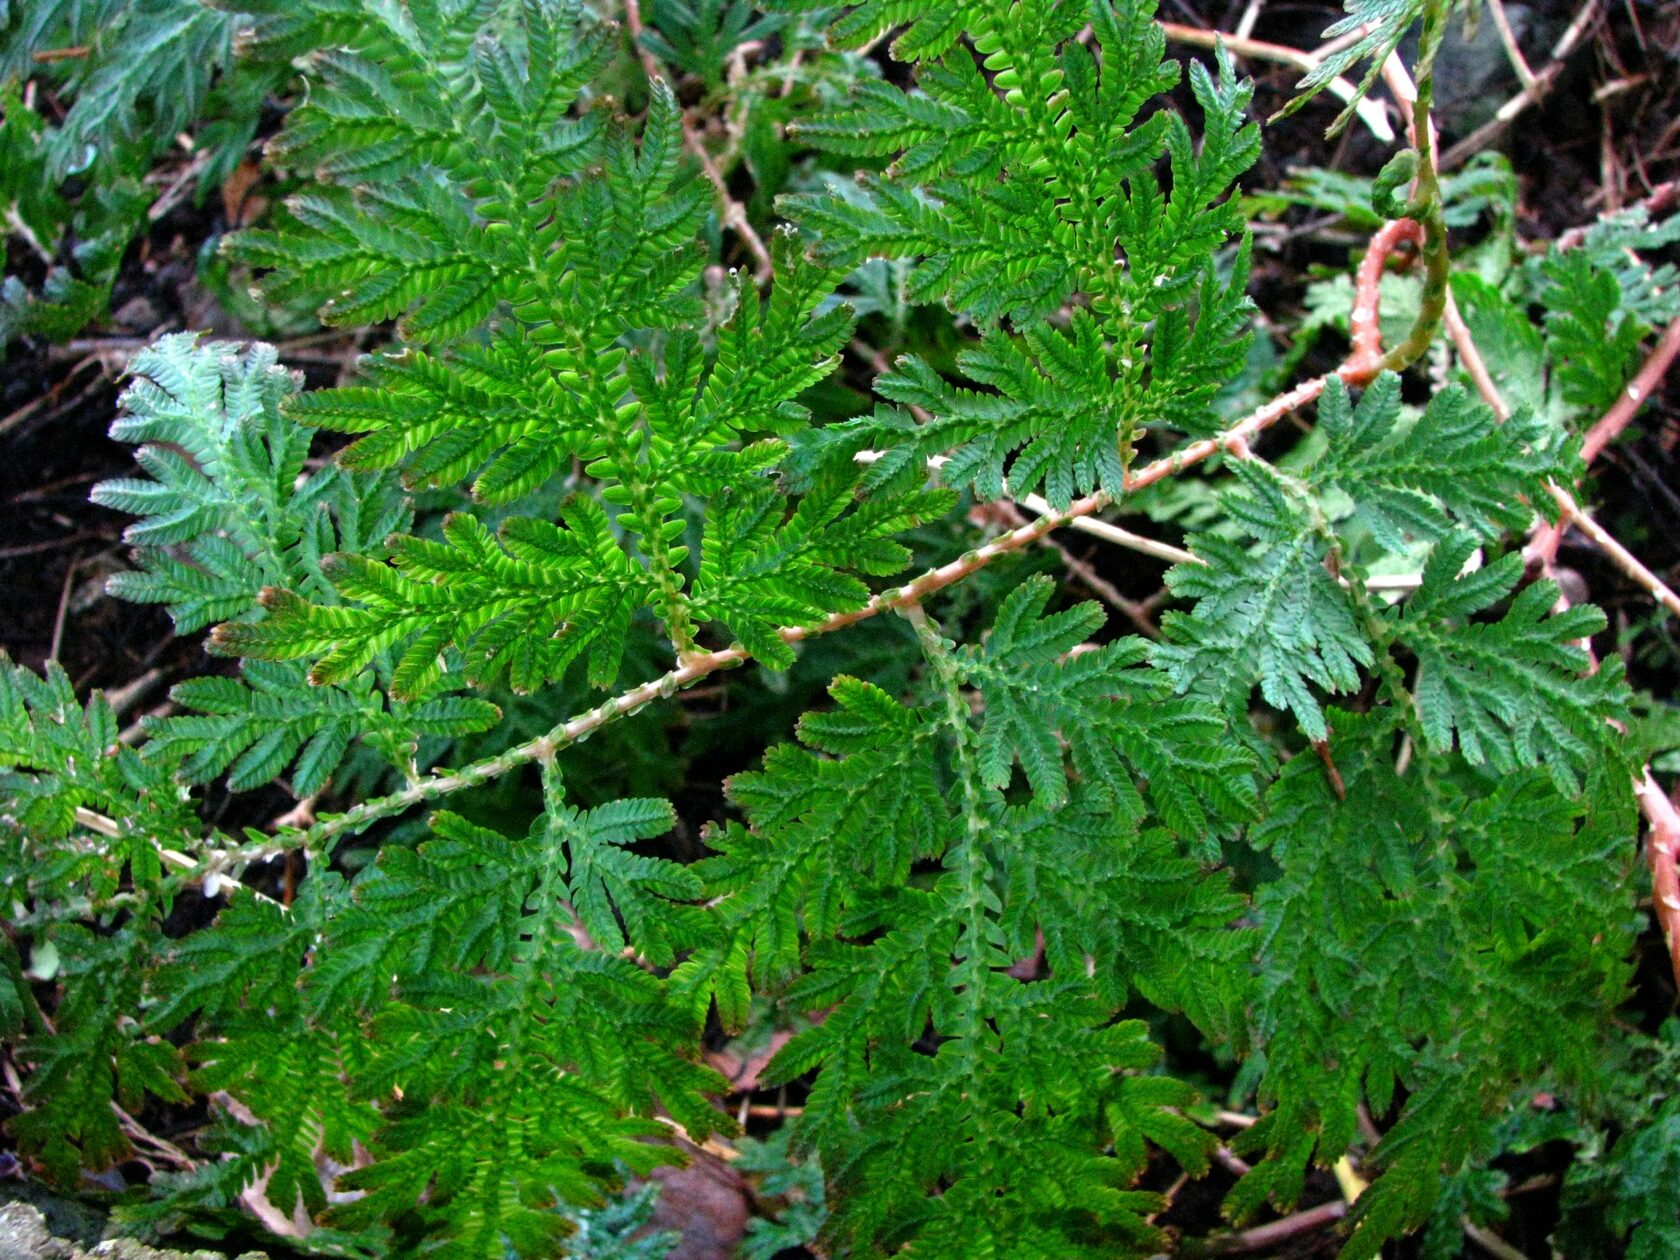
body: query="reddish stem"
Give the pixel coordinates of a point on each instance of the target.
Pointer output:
(1641, 387)
(1662, 851)
(1366, 360)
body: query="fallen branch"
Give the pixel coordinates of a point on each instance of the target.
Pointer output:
(1532, 91)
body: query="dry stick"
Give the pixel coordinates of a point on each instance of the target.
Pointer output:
(1140, 543)
(1264, 1237)
(1640, 388)
(1489, 1241)
(63, 606)
(1513, 50)
(1630, 564)
(734, 213)
(1532, 92)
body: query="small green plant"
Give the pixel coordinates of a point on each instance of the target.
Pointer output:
(1372, 838)
(134, 80)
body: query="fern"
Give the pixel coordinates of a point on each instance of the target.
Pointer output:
(599, 325)
(140, 74)
(1510, 689)
(999, 203)
(1029, 1087)
(227, 513)
(446, 978)
(1370, 839)
(1388, 905)
(1379, 26)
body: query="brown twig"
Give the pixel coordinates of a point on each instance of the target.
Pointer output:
(1630, 565)
(1542, 547)
(1585, 19)
(1140, 543)
(1274, 1233)
(1489, 1241)
(1513, 50)
(63, 606)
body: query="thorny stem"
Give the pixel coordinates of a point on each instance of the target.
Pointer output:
(1543, 546)
(1645, 383)
(1662, 851)
(1426, 205)
(222, 862)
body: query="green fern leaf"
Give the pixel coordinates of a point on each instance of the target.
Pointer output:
(1514, 692)
(1453, 465)
(1277, 618)
(1410, 903)
(825, 868)
(97, 1055)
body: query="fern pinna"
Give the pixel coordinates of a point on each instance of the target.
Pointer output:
(986, 896)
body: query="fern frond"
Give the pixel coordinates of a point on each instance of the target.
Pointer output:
(252, 728)
(1274, 604)
(1412, 905)
(824, 870)
(97, 1055)
(1030, 182)
(1380, 25)
(78, 804)
(577, 243)
(1277, 617)
(227, 508)
(523, 604)
(1452, 466)
(1516, 692)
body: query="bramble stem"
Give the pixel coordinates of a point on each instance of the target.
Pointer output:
(1414, 102)
(702, 665)
(1662, 850)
